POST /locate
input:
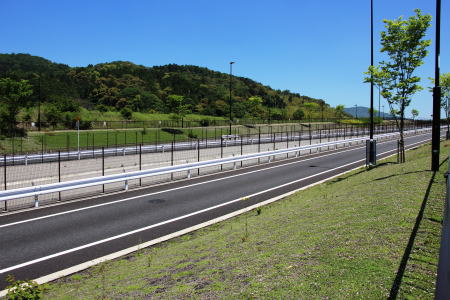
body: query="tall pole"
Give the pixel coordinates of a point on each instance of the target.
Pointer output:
(231, 69)
(356, 110)
(436, 95)
(39, 104)
(371, 64)
(379, 102)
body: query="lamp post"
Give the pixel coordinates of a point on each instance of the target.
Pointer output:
(39, 104)
(435, 134)
(383, 111)
(371, 146)
(231, 70)
(356, 110)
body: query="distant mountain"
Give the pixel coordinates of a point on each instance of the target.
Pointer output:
(363, 112)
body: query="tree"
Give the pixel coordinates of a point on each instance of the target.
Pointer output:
(13, 96)
(405, 47)
(414, 113)
(176, 106)
(339, 111)
(444, 82)
(299, 114)
(53, 115)
(310, 107)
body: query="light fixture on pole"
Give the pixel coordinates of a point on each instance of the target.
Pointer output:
(230, 103)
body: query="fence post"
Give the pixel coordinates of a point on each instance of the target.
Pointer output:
(4, 177)
(42, 148)
(198, 155)
(310, 138)
(274, 139)
(171, 157)
(103, 167)
(241, 149)
(259, 141)
(287, 142)
(221, 149)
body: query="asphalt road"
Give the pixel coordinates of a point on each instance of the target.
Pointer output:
(85, 230)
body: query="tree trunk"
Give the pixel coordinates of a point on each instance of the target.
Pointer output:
(401, 142)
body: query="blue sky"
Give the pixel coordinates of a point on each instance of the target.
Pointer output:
(315, 48)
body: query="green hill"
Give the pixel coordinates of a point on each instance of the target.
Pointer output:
(121, 84)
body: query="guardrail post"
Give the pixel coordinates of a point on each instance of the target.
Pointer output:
(123, 151)
(189, 174)
(26, 159)
(234, 164)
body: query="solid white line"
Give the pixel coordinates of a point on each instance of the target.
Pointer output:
(85, 265)
(178, 188)
(170, 190)
(177, 218)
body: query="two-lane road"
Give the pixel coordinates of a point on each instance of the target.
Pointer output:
(43, 241)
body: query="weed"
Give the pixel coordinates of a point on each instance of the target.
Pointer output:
(21, 289)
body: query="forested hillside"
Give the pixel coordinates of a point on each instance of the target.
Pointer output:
(123, 85)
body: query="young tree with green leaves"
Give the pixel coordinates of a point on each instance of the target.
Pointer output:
(13, 96)
(177, 107)
(339, 111)
(404, 44)
(414, 113)
(444, 81)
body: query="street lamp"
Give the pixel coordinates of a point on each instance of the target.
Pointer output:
(231, 69)
(39, 104)
(356, 110)
(435, 133)
(371, 143)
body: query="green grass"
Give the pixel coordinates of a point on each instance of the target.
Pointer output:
(64, 140)
(343, 239)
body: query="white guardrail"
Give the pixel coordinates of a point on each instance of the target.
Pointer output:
(125, 177)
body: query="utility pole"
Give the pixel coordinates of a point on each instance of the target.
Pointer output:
(435, 135)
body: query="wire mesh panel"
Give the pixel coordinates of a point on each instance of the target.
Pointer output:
(209, 145)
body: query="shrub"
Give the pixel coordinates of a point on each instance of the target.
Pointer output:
(204, 122)
(21, 289)
(172, 130)
(126, 113)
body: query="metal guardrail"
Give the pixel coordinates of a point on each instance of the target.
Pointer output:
(125, 177)
(443, 275)
(125, 150)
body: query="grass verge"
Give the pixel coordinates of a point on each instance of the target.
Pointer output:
(345, 238)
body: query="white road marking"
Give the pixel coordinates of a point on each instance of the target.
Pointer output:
(182, 217)
(174, 189)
